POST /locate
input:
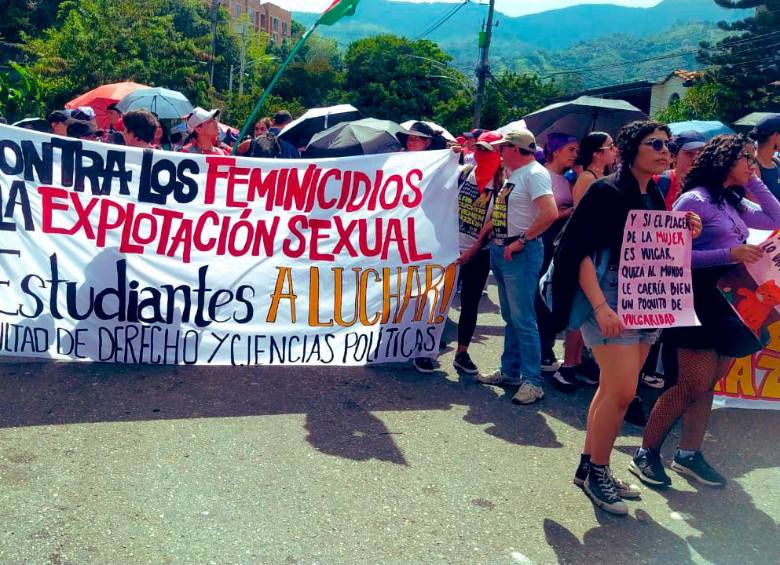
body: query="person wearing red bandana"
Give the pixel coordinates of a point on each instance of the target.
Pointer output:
(476, 190)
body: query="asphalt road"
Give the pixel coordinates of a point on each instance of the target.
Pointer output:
(116, 464)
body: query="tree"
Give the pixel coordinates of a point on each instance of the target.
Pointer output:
(154, 42)
(510, 96)
(395, 78)
(706, 100)
(747, 62)
(20, 94)
(26, 18)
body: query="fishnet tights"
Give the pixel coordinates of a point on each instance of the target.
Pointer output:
(690, 398)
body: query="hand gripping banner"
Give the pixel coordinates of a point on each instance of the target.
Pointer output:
(122, 255)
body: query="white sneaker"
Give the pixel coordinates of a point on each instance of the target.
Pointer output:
(497, 377)
(528, 394)
(653, 381)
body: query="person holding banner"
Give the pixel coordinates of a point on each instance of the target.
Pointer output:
(476, 190)
(140, 128)
(421, 137)
(204, 132)
(523, 210)
(714, 189)
(587, 259)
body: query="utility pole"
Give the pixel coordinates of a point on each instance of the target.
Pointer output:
(214, 18)
(243, 60)
(484, 64)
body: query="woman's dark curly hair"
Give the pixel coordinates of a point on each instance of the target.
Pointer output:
(713, 164)
(631, 135)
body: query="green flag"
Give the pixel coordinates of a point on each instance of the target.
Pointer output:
(338, 10)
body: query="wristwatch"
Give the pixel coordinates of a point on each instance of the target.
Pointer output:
(524, 239)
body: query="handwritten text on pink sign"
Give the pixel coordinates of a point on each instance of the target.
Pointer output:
(655, 289)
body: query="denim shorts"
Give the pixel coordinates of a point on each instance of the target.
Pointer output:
(591, 333)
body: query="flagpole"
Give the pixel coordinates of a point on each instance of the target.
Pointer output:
(270, 87)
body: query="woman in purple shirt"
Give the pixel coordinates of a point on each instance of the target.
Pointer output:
(714, 189)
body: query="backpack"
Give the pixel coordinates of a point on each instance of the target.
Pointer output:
(266, 146)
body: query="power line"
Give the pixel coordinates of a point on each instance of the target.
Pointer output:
(655, 58)
(441, 21)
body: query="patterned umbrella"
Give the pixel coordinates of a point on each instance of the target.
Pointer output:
(101, 97)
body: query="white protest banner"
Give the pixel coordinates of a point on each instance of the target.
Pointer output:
(655, 288)
(123, 255)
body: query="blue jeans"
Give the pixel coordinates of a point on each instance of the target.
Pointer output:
(518, 282)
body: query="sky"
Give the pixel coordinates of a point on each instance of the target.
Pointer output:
(509, 7)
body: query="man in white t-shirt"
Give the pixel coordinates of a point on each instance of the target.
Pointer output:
(523, 209)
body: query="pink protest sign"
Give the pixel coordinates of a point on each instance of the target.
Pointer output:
(655, 289)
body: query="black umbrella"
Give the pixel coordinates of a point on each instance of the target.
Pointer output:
(300, 131)
(582, 116)
(747, 123)
(368, 136)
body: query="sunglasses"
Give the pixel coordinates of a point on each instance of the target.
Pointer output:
(658, 144)
(610, 146)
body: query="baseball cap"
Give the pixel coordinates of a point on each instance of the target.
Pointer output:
(487, 138)
(521, 138)
(688, 140)
(768, 125)
(200, 116)
(474, 134)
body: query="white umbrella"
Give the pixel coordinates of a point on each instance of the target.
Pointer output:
(512, 126)
(435, 127)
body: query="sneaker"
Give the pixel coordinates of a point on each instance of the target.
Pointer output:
(588, 372)
(528, 394)
(423, 364)
(550, 363)
(649, 469)
(624, 489)
(636, 413)
(696, 467)
(464, 363)
(581, 473)
(497, 377)
(600, 487)
(564, 379)
(653, 381)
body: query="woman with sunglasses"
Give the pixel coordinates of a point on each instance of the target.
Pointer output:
(588, 258)
(714, 189)
(597, 155)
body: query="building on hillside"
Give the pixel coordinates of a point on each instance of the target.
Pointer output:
(265, 17)
(649, 96)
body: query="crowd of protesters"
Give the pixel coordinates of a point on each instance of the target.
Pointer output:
(548, 222)
(564, 222)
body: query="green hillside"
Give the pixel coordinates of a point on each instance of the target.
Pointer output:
(579, 36)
